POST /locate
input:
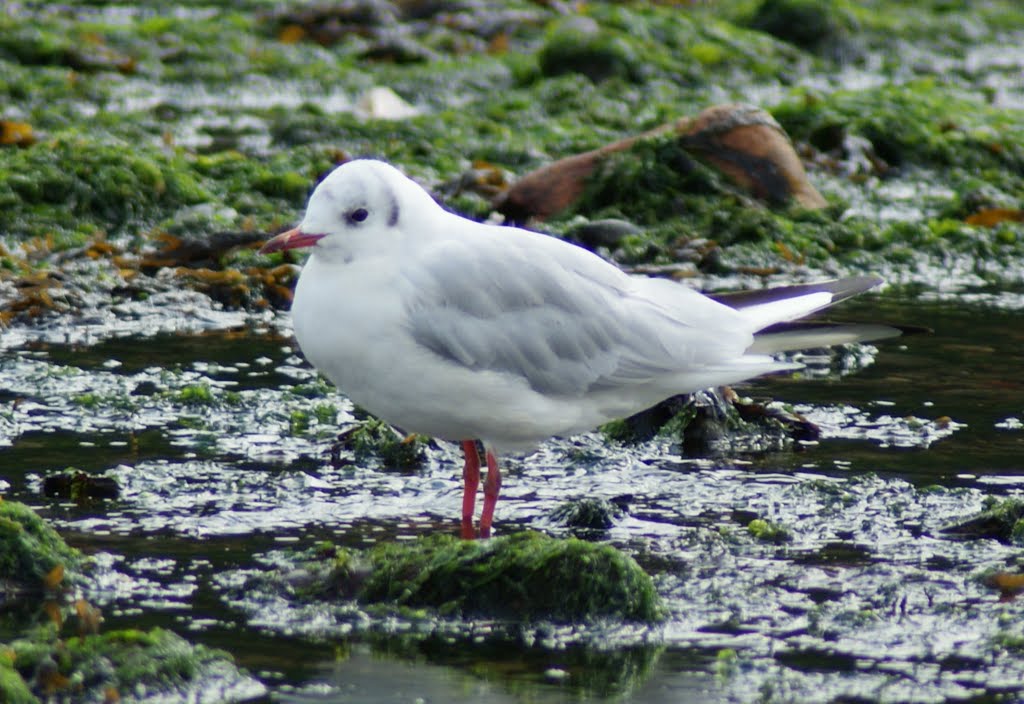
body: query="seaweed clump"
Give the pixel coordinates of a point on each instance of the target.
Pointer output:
(526, 576)
(33, 557)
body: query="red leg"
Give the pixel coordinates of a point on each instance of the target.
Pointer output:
(471, 477)
(491, 488)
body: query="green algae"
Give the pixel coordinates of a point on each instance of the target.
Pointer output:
(31, 552)
(375, 439)
(652, 180)
(588, 518)
(520, 578)
(38, 664)
(97, 186)
(822, 27)
(72, 187)
(156, 658)
(1001, 519)
(512, 113)
(769, 532)
(13, 688)
(97, 666)
(923, 123)
(875, 24)
(526, 576)
(579, 45)
(322, 415)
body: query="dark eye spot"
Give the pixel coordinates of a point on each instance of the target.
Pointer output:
(358, 215)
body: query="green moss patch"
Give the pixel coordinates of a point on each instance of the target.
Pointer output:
(923, 123)
(769, 531)
(73, 186)
(526, 576)
(375, 439)
(1001, 520)
(521, 578)
(33, 556)
(105, 667)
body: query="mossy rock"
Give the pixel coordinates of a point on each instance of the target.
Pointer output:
(527, 576)
(646, 182)
(96, 667)
(821, 27)
(33, 557)
(580, 45)
(708, 424)
(588, 518)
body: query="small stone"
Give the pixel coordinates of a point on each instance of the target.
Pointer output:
(382, 103)
(602, 233)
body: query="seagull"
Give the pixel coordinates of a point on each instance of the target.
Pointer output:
(472, 332)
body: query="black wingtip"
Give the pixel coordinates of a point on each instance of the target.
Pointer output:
(841, 289)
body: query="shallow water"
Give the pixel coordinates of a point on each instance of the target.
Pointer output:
(867, 600)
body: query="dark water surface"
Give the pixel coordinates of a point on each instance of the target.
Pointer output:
(222, 462)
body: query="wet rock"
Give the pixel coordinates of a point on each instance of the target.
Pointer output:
(602, 233)
(145, 387)
(526, 577)
(393, 47)
(78, 486)
(748, 145)
(715, 423)
(646, 424)
(33, 557)
(588, 519)
(86, 54)
(406, 32)
(837, 553)
(740, 141)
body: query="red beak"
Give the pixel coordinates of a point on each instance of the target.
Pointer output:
(291, 239)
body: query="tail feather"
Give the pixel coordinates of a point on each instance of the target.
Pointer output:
(804, 335)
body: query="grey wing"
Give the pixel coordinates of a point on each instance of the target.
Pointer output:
(557, 316)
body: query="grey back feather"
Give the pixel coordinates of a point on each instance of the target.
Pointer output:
(560, 319)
